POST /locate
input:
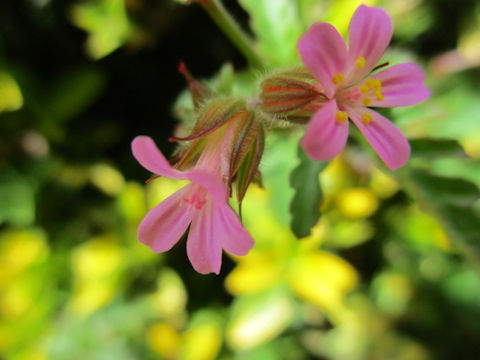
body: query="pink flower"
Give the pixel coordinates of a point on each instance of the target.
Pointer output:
(343, 75)
(202, 203)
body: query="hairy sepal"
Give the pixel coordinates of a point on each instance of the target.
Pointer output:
(290, 95)
(198, 90)
(246, 155)
(213, 115)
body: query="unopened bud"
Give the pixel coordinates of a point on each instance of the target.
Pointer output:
(213, 115)
(199, 91)
(246, 151)
(291, 95)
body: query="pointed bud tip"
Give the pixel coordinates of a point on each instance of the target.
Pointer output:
(182, 69)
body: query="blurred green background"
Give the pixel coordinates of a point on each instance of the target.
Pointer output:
(391, 270)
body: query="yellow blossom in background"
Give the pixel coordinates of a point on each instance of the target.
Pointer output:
(340, 12)
(171, 297)
(471, 145)
(383, 185)
(96, 267)
(164, 339)
(11, 97)
(259, 319)
(18, 251)
(107, 179)
(131, 203)
(322, 278)
(357, 203)
(201, 340)
(280, 261)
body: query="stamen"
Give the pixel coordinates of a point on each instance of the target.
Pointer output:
(377, 84)
(338, 78)
(379, 96)
(366, 101)
(366, 118)
(364, 89)
(360, 62)
(341, 116)
(370, 83)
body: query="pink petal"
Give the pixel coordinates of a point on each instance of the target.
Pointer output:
(324, 53)
(369, 35)
(203, 246)
(325, 137)
(386, 139)
(231, 233)
(212, 182)
(148, 155)
(165, 224)
(402, 85)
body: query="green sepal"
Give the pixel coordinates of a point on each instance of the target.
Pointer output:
(290, 95)
(213, 115)
(247, 155)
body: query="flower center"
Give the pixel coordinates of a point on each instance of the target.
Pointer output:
(197, 199)
(371, 88)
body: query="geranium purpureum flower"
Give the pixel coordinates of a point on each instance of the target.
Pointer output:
(343, 76)
(203, 204)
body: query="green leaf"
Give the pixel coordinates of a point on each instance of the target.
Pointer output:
(16, 198)
(432, 148)
(451, 201)
(305, 205)
(277, 27)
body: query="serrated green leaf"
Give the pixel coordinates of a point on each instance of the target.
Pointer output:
(451, 201)
(305, 205)
(433, 148)
(277, 27)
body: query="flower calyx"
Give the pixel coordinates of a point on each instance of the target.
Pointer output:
(290, 95)
(246, 150)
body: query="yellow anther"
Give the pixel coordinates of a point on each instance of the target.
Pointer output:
(377, 84)
(379, 96)
(341, 116)
(364, 89)
(366, 118)
(370, 83)
(366, 101)
(338, 78)
(360, 62)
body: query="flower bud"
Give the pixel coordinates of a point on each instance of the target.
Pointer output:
(226, 127)
(291, 95)
(246, 151)
(199, 91)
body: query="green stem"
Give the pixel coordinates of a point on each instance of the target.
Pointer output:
(225, 21)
